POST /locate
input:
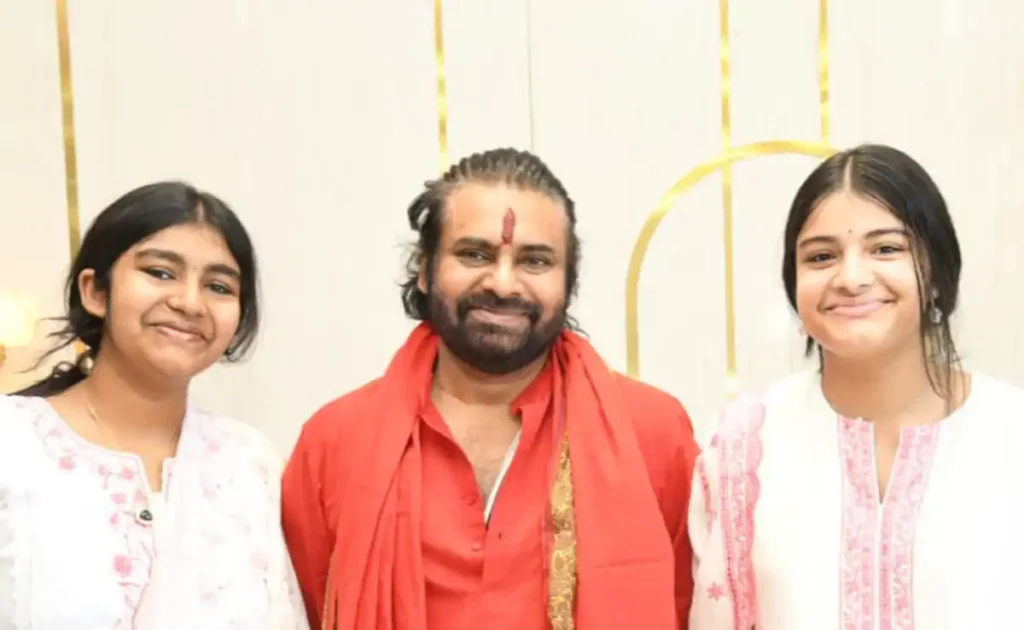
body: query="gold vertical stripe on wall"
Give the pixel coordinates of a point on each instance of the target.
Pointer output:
(442, 90)
(67, 108)
(727, 215)
(823, 91)
(67, 102)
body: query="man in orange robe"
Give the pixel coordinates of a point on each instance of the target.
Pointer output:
(498, 475)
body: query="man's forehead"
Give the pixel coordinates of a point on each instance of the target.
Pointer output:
(486, 206)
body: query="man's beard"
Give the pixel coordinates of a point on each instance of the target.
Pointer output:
(490, 347)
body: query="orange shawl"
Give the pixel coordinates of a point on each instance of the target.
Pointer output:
(610, 562)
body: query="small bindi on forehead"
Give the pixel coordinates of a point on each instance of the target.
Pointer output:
(508, 226)
(846, 215)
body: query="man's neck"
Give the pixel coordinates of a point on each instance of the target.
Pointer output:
(885, 391)
(455, 378)
(132, 408)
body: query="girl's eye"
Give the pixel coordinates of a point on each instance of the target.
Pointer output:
(160, 274)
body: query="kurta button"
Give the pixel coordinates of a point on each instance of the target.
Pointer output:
(146, 516)
(477, 546)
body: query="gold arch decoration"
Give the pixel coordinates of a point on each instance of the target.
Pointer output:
(723, 162)
(668, 201)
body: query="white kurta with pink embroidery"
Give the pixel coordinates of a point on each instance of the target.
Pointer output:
(790, 533)
(84, 545)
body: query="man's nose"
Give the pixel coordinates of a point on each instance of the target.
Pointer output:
(503, 280)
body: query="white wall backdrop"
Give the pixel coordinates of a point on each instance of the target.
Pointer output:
(318, 121)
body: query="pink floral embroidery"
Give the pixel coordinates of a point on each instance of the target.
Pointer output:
(705, 488)
(877, 561)
(214, 459)
(899, 519)
(123, 566)
(739, 455)
(715, 591)
(860, 518)
(116, 473)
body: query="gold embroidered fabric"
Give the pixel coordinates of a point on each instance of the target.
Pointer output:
(563, 576)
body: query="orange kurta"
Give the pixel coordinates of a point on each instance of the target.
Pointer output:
(477, 575)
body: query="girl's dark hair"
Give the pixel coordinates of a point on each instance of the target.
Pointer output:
(895, 181)
(520, 169)
(134, 217)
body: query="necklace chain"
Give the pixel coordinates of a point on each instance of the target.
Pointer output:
(102, 434)
(145, 515)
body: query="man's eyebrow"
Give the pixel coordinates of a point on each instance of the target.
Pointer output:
(484, 244)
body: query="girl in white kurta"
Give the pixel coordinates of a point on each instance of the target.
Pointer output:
(790, 533)
(881, 491)
(122, 507)
(86, 545)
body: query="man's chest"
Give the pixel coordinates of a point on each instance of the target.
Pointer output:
(486, 438)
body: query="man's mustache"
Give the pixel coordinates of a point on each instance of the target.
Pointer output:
(492, 302)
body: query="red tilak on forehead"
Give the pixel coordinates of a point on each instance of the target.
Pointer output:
(508, 227)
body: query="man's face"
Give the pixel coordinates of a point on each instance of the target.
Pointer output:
(497, 291)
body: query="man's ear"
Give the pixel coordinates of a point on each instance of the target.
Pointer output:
(94, 299)
(421, 282)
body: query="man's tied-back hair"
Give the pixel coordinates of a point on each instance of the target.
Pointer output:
(518, 169)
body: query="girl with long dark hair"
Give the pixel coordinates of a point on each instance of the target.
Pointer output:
(879, 489)
(122, 505)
